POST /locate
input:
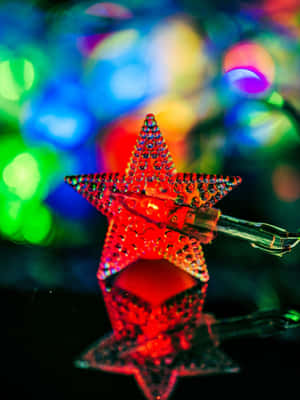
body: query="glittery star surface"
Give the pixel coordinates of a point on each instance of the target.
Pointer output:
(155, 188)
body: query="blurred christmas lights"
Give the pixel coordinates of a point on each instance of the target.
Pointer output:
(249, 68)
(63, 84)
(59, 115)
(16, 77)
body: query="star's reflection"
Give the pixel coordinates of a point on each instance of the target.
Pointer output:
(153, 337)
(160, 331)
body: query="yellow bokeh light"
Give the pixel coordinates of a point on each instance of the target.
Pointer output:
(115, 45)
(179, 52)
(176, 116)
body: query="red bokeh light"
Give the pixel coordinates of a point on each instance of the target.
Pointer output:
(115, 146)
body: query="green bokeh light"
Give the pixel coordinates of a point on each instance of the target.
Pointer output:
(22, 176)
(293, 315)
(16, 77)
(11, 145)
(37, 225)
(25, 179)
(22, 70)
(11, 217)
(276, 99)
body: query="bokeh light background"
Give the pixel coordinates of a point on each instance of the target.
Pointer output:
(76, 80)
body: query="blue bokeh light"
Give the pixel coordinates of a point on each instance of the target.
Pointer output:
(62, 198)
(252, 122)
(59, 115)
(121, 76)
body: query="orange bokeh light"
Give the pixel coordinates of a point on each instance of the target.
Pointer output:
(286, 183)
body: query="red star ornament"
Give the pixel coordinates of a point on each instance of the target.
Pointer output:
(156, 188)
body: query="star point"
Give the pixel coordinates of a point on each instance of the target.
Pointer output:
(137, 224)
